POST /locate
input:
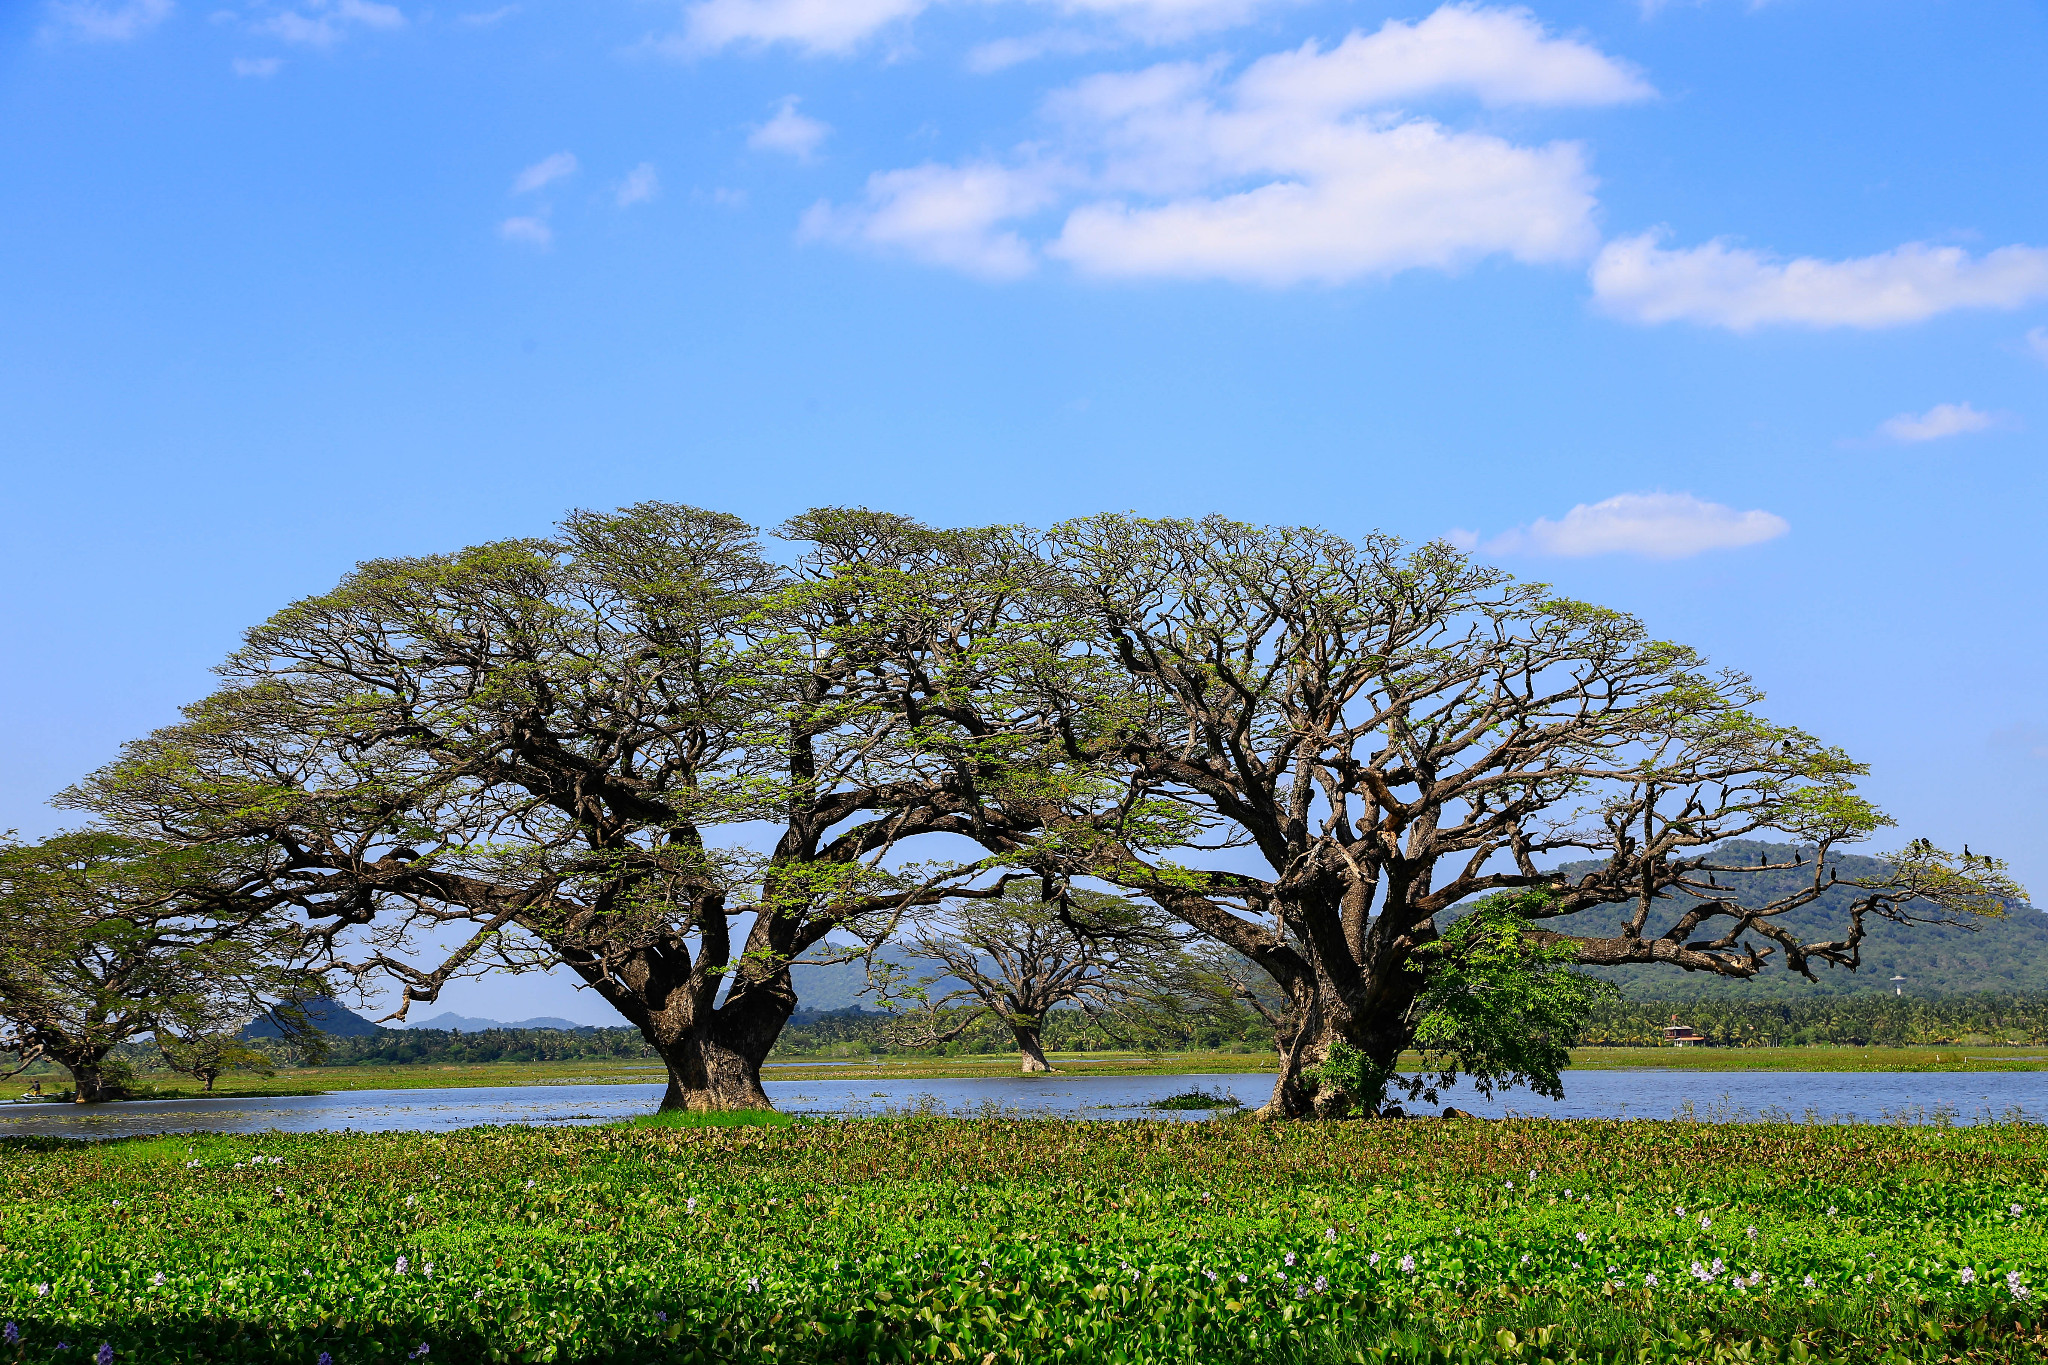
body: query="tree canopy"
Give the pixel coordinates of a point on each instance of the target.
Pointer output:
(647, 751)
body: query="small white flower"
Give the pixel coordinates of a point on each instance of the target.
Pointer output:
(411, 1199)
(402, 1266)
(1809, 1281)
(1832, 1210)
(1329, 1234)
(277, 1190)
(1583, 1238)
(753, 1284)
(1511, 1184)
(1525, 1258)
(1244, 1279)
(156, 1281)
(42, 1291)
(1679, 1212)
(1301, 1291)
(1374, 1259)
(1752, 1233)
(1650, 1279)
(428, 1270)
(1567, 1194)
(1968, 1275)
(1210, 1275)
(2015, 1210)
(2013, 1285)
(529, 1184)
(1289, 1259)
(1705, 1222)
(690, 1205)
(1408, 1265)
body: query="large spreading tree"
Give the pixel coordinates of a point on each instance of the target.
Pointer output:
(1323, 749)
(638, 749)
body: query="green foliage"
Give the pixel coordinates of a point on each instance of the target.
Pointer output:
(1498, 1005)
(105, 938)
(1348, 1076)
(921, 1239)
(1864, 1020)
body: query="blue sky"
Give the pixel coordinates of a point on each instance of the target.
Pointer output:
(1733, 315)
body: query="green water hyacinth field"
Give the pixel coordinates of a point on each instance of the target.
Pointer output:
(999, 1240)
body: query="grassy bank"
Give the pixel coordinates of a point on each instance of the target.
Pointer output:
(416, 1076)
(1015, 1241)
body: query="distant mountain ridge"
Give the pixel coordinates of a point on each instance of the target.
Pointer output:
(450, 1022)
(328, 1015)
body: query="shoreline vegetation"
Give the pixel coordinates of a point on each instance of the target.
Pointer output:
(417, 1076)
(687, 1238)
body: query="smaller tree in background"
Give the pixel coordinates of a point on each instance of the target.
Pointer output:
(207, 1056)
(105, 939)
(1022, 955)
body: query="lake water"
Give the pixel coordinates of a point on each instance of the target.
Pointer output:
(1715, 1096)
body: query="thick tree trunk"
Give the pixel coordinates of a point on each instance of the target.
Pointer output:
(90, 1083)
(1376, 1032)
(1031, 1049)
(709, 1072)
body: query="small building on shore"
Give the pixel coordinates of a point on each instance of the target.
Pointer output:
(1684, 1035)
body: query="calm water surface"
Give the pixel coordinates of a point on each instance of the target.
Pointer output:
(1711, 1095)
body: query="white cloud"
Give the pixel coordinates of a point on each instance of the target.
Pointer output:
(487, 18)
(1167, 20)
(1943, 419)
(814, 25)
(256, 66)
(545, 171)
(790, 132)
(841, 26)
(640, 185)
(1296, 170)
(527, 231)
(1719, 285)
(1501, 57)
(107, 23)
(2037, 342)
(1658, 525)
(1003, 53)
(946, 215)
(326, 22)
(1347, 202)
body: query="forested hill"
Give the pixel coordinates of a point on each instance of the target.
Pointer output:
(2005, 956)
